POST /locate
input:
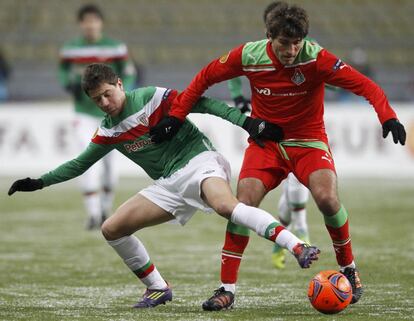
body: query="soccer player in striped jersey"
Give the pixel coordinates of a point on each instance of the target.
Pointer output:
(98, 183)
(287, 75)
(295, 195)
(188, 174)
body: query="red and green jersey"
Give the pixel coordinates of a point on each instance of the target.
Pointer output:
(290, 96)
(76, 54)
(129, 134)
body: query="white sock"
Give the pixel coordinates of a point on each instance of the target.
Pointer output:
(229, 287)
(287, 240)
(252, 218)
(299, 221)
(352, 265)
(135, 256)
(93, 205)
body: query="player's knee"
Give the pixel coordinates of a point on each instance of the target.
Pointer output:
(109, 231)
(223, 208)
(327, 203)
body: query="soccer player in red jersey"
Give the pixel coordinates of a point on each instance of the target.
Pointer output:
(287, 74)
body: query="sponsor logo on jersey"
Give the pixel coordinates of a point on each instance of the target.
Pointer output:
(138, 145)
(224, 58)
(298, 77)
(143, 119)
(263, 91)
(339, 64)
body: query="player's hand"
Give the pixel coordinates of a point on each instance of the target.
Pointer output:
(259, 129)
(397, 130)
(242, 104)
(166, 129)
(26, 185)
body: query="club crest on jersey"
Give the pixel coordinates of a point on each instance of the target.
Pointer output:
(143, 119)
(224, 58)
(298, 78)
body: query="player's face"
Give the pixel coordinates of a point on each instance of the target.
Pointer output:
(91, 26)
(286, 49)
(109, 98)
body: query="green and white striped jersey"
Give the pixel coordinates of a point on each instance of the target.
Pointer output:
(76, 54)
(128, 133)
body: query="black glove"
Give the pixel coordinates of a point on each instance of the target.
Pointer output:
(166, 129)
(242, 104)
(26, 185)
(396, 128)
(258, 128)
(75, 89)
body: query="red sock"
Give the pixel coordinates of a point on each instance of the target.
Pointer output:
(231, 256)
(338, 228)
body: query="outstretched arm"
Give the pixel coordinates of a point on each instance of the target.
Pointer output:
(64, 172)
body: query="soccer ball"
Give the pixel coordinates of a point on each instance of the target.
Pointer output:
(329, 292)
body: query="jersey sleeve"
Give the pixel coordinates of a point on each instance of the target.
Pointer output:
(337, 73)
(220, 109)
(235, 87)
(224, 68)
(76, 166)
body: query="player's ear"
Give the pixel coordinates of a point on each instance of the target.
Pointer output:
(120, 84)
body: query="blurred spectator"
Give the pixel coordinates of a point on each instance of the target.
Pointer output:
(97, 184)
(4, 77)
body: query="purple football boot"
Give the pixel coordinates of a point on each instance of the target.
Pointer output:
(152, 298)
(305, 254)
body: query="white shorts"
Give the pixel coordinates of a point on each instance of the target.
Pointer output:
(180, 194)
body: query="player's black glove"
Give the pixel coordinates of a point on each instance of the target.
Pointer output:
(259, 129)
(26, 185)
(75, 89)
(396, 128)
(166, 129)
(242, 104)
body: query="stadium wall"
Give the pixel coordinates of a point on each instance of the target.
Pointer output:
(36, 137)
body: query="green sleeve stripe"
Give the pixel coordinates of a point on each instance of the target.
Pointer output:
(237, 229)
(337, 220)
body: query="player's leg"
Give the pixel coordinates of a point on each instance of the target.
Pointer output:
(292, 214)
(90, 181)
(136, 213)
(323, 186)
(110, 178)
(217, 193)
(284, 214)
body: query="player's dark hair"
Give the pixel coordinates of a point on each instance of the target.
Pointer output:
(97, 74)
(270, 7)
(286, 20)
(89, 9)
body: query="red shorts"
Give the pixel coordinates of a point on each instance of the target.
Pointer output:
(269, 165)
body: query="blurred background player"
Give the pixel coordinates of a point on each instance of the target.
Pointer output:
(288, 72)
(98, 183)
(292, 202)
(4, 77)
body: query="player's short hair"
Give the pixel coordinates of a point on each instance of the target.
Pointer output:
(287, 20)
(89, 9)
(97, 74)
(269, 8)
